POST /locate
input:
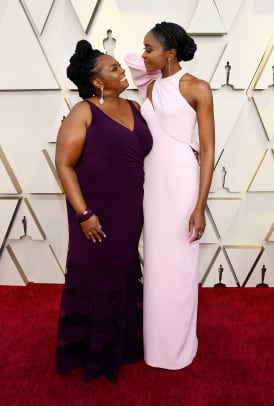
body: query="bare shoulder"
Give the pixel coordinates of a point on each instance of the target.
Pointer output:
(80, 112)
(202, 86)
(195, 90)
(82, 108)
(136, 104)
(195, 83)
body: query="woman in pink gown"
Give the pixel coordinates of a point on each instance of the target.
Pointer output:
(178, 174)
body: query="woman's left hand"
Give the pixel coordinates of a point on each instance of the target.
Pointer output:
(92, 228)
(197, 225)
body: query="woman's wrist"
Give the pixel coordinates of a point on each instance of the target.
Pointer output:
(200, 207)
(85, 215)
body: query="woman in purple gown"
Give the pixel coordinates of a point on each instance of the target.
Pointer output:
(100, 152)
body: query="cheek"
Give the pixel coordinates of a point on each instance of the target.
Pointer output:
(159, 55)
(113, 78)
(158, 60)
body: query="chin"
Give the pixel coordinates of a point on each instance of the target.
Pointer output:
(150, 68)
(125, 84)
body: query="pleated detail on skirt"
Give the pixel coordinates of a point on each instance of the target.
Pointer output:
(100, 324)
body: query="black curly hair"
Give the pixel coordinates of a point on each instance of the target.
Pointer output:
(79, 70)
(173, 36)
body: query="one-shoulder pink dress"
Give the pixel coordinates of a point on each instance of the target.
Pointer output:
(170, 194)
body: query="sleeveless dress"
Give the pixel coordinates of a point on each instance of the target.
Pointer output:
(170, 194)
(100, 325)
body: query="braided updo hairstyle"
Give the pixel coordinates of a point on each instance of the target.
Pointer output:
(173, 36)
(79, 70)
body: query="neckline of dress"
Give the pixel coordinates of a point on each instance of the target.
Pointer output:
(115, 121)
(181, 71)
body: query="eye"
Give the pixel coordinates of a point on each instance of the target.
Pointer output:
(114, 68)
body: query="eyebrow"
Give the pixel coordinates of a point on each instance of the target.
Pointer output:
(115, 64)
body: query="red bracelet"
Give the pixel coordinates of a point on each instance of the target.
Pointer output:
(85, 215)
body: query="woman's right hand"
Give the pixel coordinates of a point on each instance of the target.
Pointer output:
(93, 229)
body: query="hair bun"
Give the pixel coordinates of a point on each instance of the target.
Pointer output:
(189, 49)
(81, 64)
(83, 49)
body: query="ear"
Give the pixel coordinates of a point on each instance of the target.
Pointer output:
(172, 53)
(97, 82)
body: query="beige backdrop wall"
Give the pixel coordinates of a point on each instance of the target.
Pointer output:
(235, 54)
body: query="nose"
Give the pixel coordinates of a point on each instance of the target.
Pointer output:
(143, 54)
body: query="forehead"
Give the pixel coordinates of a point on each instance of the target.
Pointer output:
(151, 40)
(105, 62)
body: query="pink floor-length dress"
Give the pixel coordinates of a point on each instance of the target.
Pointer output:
(170, 194)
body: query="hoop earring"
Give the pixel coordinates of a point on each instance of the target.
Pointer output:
(169, 70)
(101, 100)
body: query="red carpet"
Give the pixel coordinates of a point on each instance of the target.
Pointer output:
(234, 365)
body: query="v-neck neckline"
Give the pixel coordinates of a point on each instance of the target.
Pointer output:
(115, 121)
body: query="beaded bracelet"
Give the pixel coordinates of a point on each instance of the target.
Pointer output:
(85, 215)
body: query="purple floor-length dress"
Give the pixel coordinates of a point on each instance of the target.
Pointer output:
(100, 321)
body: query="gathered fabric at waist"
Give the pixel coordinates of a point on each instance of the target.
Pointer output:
(174, 154)
(165, 131)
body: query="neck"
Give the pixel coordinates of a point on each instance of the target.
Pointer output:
(169, 70)
(109, 99)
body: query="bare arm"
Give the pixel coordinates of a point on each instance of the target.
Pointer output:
(205, 118)
(70, 142)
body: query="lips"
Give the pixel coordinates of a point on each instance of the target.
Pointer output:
(123, 79)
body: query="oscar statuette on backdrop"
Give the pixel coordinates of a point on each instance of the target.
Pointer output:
(220, 284)
(25, 228)
(262, 284)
